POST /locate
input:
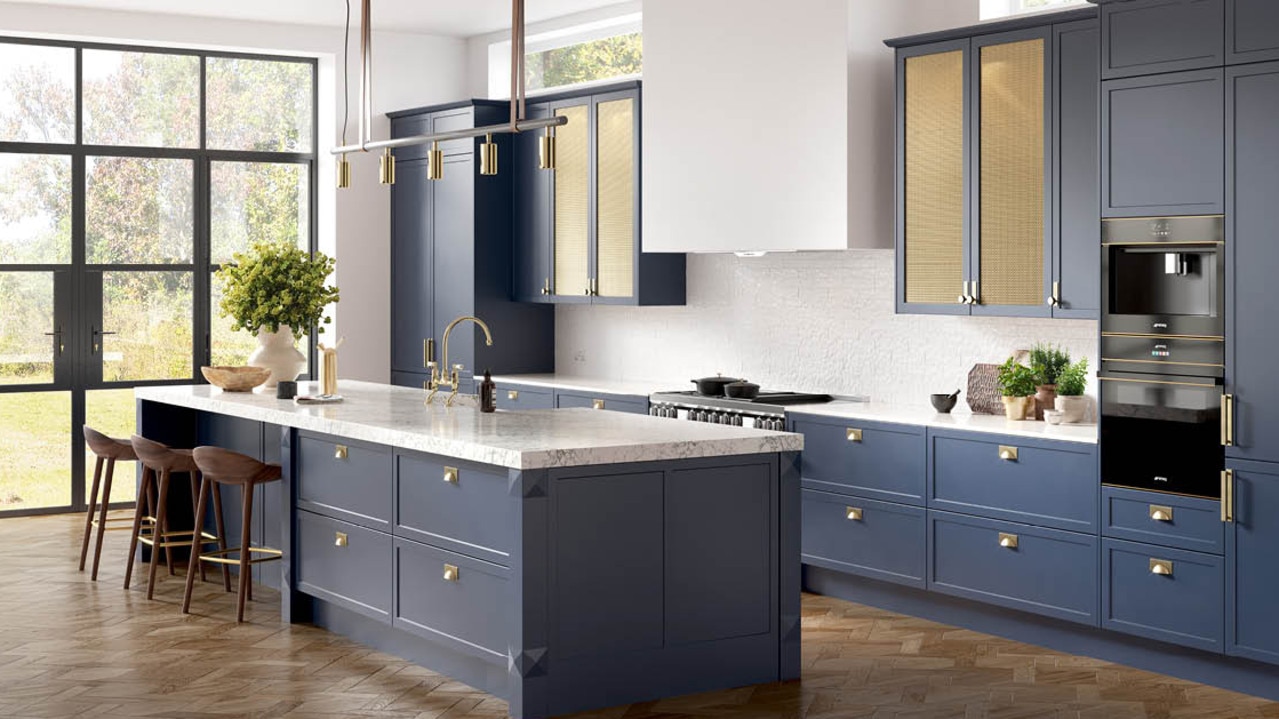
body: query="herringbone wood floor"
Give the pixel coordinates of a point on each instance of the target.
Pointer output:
(69, 647)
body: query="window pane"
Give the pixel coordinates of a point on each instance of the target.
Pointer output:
(26, 354)
(37, 93)
(35, 450)
(35, 209)
(259, 105)
(137, 98)
(139, 211)
(111, 412)
(610, 57)
(258, 202)
(150, 314)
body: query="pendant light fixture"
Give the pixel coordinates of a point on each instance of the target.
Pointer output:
(435, 156)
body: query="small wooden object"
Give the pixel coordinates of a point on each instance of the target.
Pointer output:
(235, 379)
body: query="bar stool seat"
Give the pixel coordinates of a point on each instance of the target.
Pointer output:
(108, 451)
(220, 466)
(159, 463)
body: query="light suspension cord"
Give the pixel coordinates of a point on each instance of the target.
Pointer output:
(346, 73)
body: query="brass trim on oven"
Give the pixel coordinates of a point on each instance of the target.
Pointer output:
(1155, 381)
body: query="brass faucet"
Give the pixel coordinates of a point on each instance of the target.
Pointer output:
(454, 376)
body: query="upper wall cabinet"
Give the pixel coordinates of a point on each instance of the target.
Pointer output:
(722, 175)
(996, 177)
(1144, 37)
(1252, 31)
(578, 235)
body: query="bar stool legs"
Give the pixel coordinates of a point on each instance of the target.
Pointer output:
(107, 451)
(88, 516)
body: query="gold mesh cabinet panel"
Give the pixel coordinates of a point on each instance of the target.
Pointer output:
(1012, 173)
(616, 238)
(934, 178)
(572, 194)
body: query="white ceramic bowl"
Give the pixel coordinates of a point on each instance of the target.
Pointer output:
(1052, 416)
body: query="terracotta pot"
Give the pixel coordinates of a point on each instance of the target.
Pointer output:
(1045, 396)
(1019, 408)
(1073, 409)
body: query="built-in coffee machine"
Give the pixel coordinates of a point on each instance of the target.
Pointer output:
(1163, 354)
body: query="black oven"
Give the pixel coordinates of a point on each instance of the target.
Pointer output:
(1164, 276)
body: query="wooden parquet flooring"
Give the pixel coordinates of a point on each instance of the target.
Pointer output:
(72, 648)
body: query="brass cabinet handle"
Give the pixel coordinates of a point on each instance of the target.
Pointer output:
(513, 395)
(1008, 454)
(597, 404)
(340, 540)
(854, 435)
(975, 295)
(546, 286)
(1228, 496)
(1007, 541)
(428, 352)
(853, 514)
(963, 296)
(450, 573)
(1162, 567)
(450, 475)
(1160, 513)
(1054, 300)
(340, 451)
(1227, 420)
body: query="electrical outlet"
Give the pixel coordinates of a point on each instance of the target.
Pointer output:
(579, 356)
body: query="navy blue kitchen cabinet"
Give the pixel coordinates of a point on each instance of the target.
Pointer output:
(1252, 261)
(568, 399)
(1252, 574)
(451, 255)
(1252, 31)
(1168, 520)
(1146, 37)
(996, 170)
(346, 564)
(880, 540)
(515, 396)
(875, 460)
(1163, 145)
(1167, 594)
(578, 238)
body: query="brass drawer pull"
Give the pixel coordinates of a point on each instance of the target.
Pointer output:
(854, 514)
(854, 435)
(597, 404)
(1228, 496)
(340, 451)
(513, 395)
(1160, 513)
(450, 475)
(1008, 454)
(1162, 567)
(340, 540)
(1007, 541)
(450, 573)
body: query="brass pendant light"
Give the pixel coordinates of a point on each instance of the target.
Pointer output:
(488, 156)
(435, 162)
(386, 168)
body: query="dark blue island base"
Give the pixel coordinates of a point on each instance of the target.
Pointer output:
(558, 590)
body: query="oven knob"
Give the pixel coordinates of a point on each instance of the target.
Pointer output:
(737, 420)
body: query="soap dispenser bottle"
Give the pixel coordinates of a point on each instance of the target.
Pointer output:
(488, 393)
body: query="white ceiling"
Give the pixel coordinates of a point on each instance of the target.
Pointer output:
(460, 18)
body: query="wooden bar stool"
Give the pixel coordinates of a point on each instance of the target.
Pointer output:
(108, 451)
(159, 463)
(221, 466)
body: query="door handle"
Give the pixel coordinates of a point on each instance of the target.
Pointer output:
(1228, 496)
(1227, 420)
(97, 333)
(57, 333)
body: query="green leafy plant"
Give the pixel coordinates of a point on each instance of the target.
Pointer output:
(1073, 379)
(1016, 379)
(275, 285)
(1048, 361)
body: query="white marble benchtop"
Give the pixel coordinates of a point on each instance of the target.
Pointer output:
(928, 417)
(533, 439)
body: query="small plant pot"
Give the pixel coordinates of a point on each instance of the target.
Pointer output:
(1019, 408)
(1073, 409)
(1045, 394)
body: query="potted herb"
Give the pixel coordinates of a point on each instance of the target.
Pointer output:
(277, 292)
(1017, 385)
(1070, 392)
(1048, 361)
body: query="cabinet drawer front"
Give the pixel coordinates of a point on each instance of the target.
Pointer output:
(345, 480)
(1155, 36)
(1007, 479)
(518, 397)
(463, 119)
(1166, 520)
(881, 540)
(616, 403)
(1252, 31)
(344, 563)
(1044, 571)
(883, 461)
(1166, 594)
(452, 598)
(462, 507)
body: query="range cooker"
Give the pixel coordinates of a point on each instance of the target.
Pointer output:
(766, 411)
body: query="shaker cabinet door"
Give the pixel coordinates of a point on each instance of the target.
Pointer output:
(617, 188)
(454, 259)
(533, 213)
(1252, 574)
(1252, 31)
(571, 202)
(1146, 37)
(412, 308)
(1076, 292)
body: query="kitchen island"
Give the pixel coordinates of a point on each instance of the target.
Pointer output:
(563, 560)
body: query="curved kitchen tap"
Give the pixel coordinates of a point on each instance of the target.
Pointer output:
(451, 377)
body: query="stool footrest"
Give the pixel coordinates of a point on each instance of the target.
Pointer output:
(219, 556)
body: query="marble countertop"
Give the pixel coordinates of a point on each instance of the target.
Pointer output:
(928, 417)
(533, 439)
(592, 384)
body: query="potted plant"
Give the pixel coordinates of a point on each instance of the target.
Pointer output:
(277, 292)
(1048, 361)
(1017, 385)
(1070, 392)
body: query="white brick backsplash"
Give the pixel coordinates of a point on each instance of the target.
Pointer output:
(813, 321)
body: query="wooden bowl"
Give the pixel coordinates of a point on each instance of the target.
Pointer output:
(235, 379)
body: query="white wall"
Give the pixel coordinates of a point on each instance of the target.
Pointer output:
(411, 70)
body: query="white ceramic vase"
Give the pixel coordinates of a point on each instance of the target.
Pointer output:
(276, 352)
(1074, 409)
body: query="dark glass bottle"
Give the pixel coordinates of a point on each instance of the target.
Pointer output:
(488, 393)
